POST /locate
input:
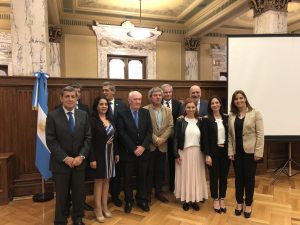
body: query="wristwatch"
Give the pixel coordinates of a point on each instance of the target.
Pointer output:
(82, 156)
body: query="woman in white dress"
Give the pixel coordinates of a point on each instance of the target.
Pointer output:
(190, 180)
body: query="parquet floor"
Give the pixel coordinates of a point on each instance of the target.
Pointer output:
(277, 204)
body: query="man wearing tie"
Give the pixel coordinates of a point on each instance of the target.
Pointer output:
(195, 93)
(115, 105)
(176, 108)
(135, 135)
(162, 125)
(68, 137)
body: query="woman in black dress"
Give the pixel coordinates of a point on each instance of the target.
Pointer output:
(215, 146)
(102, 155)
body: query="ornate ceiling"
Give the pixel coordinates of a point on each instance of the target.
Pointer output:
(174, 17)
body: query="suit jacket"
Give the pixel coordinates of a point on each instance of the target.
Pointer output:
(203, 108)
(176, 110)
(83, 107)
(119, 105)
(129, 136)
(166, 129)
(253, 134)
(210, 135)
(62, 142)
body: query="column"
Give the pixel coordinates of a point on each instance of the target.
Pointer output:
(191, 58)
(55, 35)
(29, 30)
(270, 16)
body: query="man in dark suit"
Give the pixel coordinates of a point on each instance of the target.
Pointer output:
(195, 93)
(115, 105)
(176, 108)
(68, 137)
(135, 135)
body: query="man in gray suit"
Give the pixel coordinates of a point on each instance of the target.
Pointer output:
(68, 137)
(195, 93)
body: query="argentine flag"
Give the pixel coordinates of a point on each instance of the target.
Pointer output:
(40, 103)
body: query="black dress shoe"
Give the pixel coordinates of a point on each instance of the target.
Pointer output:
(117, 201)
(161, 197)
(128, 207)
(87, 207)
(144, 206)
(195, 206)
(185, 206)
(78, 223)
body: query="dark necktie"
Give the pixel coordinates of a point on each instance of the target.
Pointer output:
(136, 118)
(168, 104)
(71, 121)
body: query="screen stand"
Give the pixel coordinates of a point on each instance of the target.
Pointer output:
(286, 168)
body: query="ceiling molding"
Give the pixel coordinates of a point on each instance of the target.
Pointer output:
(217, 17)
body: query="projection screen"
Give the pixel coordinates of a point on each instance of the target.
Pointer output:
(267, 68)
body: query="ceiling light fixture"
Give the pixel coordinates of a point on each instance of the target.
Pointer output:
(140, 32)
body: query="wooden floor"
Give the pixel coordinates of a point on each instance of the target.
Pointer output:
(273, 204)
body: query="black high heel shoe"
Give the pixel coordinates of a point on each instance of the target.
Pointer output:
(247, 214)
(217, 210)
(224, 210)
(238, 212)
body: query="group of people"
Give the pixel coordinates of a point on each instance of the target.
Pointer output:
(134, 140)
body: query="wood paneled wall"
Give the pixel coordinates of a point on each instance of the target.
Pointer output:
(18, 121)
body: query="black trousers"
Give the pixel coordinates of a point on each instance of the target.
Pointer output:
(64, 183)
(156, 171)
(171, 164)
(115, 182)
(138, 166)
(218, 173)
(244, 168)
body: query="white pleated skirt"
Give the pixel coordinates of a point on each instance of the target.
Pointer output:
(190, 179)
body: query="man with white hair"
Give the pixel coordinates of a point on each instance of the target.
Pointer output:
(135, 135)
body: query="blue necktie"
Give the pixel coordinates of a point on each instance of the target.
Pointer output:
(71, 121)
(136, 118)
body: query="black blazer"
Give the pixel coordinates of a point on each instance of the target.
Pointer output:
(129, 136)
(119, 105)
(62, 142)
(83, 107)
(176, 110)
(99, 137)
(179, 135)
(210, 135)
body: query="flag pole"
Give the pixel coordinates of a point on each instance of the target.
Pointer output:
(40, 103)
(44, 196)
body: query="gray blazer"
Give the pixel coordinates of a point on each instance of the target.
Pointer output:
(62, 142)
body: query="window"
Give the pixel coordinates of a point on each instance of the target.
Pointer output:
(126, 67)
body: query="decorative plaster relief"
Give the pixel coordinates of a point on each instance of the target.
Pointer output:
(114, 40)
